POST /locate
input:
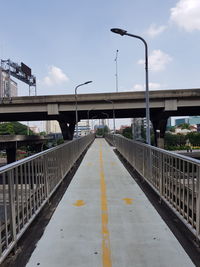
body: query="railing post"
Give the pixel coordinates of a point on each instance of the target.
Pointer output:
(161, 165)
(198, 204)
(12, 204)
(46, 177)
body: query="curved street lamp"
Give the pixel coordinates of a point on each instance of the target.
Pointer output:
(76, 104)
(123, 32)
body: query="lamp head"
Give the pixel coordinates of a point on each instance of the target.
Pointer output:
(118, 31)
(88, 82)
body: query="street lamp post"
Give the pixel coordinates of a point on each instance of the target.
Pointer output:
(123, 32)
(88, 115)
(92, 121)
(116, 65)
(113, 113)
(76, 104)
(104, 113)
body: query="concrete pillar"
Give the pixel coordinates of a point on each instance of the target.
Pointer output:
(67, 130)
(11, 154)
(159, 123)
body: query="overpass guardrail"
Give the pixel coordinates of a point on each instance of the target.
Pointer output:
(175, 178)
(26, 186)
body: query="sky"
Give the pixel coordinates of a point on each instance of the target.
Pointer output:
(67, 42)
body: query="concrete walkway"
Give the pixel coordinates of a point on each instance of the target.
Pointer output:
(105, 220)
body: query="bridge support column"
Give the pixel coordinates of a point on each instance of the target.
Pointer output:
(67, 130)
(11, 154)
(159, 127)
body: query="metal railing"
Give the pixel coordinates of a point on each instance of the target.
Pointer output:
(176, 178)
(26, 185)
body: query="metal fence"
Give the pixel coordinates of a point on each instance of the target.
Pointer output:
(26, 185)
(174, 177)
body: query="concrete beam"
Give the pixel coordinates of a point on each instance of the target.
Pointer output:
(127, 105)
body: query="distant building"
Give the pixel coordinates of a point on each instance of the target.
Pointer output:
(181, 121)
(169, 123)
(34, 129)
(4, 85)
(194, 120)
(52, 127)
(83, 128)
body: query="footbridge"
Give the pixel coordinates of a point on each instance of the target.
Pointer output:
(104, 218)
(163, 104)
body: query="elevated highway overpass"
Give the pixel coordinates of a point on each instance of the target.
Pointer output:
(163, 104)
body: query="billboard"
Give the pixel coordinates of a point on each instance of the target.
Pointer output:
(25, 69)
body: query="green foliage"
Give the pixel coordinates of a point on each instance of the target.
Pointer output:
(174, 140)
(9, 128)
(179, 141)
(184, 126)
(43, 133)
(194, 138)
(106, 129)
(100, 131)
(60, 141)
(127, 132)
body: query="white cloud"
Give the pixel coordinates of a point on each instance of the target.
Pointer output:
(55, 76)
(152, 86)
(138, 87)
(186, 14)
(157, 60)
(155, 30)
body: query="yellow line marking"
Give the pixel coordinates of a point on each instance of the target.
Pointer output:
(79, 203)
(106, 251)
(128, 201)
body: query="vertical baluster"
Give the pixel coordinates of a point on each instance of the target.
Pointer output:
(12, 205)
(193, 193)
(5, 200)
(17, 198)
(33, 185)
(176, 183)
(30, 190)
(180, 184)
(26, 192)
(22, 194)
(183, 207)
(42, 178)
(172, 181)
(39, 182)
(188, 190)
(36, 183)
(198, 203)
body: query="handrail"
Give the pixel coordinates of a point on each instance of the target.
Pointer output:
(174, 177)
(26, 186)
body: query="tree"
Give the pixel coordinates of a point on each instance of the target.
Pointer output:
(16, 127)
(184, 126)
(127, 132)
(100, 131)
(194, 138)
